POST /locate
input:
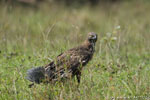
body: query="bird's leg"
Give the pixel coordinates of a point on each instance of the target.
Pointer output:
(78, 75)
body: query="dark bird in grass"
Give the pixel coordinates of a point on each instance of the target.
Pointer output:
(66, 65)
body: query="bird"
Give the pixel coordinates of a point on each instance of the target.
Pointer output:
(66, 65)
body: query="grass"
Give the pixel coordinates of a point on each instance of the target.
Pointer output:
(33, 37)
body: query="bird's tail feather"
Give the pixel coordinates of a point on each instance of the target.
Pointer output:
(36, 74)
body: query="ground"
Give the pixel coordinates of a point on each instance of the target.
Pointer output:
(33, 36)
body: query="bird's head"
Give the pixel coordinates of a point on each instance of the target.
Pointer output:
(92, 37)
(90, 41)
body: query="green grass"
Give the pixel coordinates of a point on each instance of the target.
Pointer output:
(32, 37)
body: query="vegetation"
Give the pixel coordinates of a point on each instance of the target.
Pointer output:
(34, 36)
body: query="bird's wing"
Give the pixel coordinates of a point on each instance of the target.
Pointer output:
(68, 62)
(73, 58)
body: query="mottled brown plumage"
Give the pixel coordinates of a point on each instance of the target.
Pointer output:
(67, 64)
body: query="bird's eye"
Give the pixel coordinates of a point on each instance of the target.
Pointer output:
(91, 36)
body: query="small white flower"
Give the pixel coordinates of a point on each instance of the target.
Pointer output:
(118, 27)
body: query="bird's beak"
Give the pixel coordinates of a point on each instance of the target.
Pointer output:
(94, 37)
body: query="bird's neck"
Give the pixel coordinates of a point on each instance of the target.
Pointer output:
(89, 45)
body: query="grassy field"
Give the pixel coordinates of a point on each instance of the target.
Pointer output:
(33, 37)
